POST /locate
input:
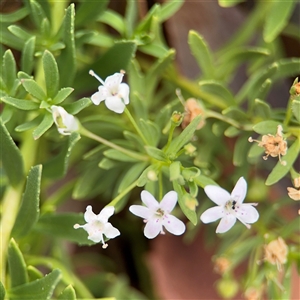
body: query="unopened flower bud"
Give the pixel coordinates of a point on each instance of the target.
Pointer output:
(176, 118)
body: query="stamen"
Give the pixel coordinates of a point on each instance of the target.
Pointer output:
(91, 72)
(76, 226)
(179, 95)
(104, 246)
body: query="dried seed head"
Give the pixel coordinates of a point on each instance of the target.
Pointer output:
(274, 145)
(276, 252)
(293, 193)
(192, 109)
(222, 265)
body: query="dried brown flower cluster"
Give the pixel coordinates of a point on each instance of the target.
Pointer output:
(294, 193)
(274, 145)
(221, 265)
(276, 252)
(253, 294)
(192, 110)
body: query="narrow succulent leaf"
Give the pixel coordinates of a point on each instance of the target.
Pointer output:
(229, 3)
(114, 20)
(43, 126)
(255, 151)
(9, 70)
(14, 16)
(202, 54)
(27, 55)
(119, 156)
(287, 67)
(10, 40)
(151, 131)
(62, 95)
(75, 107)
(19, 32)
(20, 104)
(68, 55)
(281, 170)
(16, 264)
(34, 89)
(262, 109)
(60, 225)
(34, 273)
(168, 9)
(36, 12)
(51, 74)
(38, 289)
(235, 113)
(203, 181)
(29, 125)
(184, 137)
(175, 170)
(277, 18)
(90, 11)
(57, 167)
(29, 210)
(11, 157)
(2, 289)
(67, 294)
(156, 153)
(6, 114)
(241, 147)
(266, 127)
(296, 109)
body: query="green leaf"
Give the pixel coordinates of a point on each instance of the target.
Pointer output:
(175, 171)
(281, 170)
(151, 131)
(16, 264)
(182, 197)
(231, 131)
(296, 109)
(156, 153)
(277, 18)
(75, 107)
(60, 225)
(29, 210)
(20, 104)
(6, 114)
(2, 289)
(191, 173)
(67, 59)
(235, 113)
(62, 95)
(119, 156)
(266, 127)
(57, 166)
(202, 54)
(262, 109)
(27, 62)
(255, 151)
(264, 89)
(217, 88)
(203, 181)
(14, 16)
(43, 126)
(168, 9)
(229, 3)
(40, 289)
(19, 32)
(114, 20)
(37, 13)
(51, 74)
(68, 294)
(107, 164)
(34, 273)
(89, 11)
(184, 137)
(287, 67)
(9, 70)
(241, 147)
(11, 157)
(34, 89)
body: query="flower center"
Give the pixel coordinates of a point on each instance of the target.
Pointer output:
(231, 205)
(98, 226)
(160, 213)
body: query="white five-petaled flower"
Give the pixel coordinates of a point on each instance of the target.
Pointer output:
(98, 225)
(65, 122)
(115, 93)
(230, 207)
(157, 215)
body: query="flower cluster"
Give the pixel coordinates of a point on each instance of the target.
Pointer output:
(294, 193)
(276, 252)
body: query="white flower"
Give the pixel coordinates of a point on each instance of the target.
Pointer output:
(65, 122)
(115, 93)
(98, 225)
(230, 207)
(157, 215)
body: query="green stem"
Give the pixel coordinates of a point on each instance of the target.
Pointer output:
(160, 184)
(173, 126)
(288, 112)
(115, 201)
(136, 126)
(83, 131)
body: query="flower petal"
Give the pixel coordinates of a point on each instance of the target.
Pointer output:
(101, 95)
(212, 214)
(152, 229)
(226, 223)
(124, 92)
(105, 213)
(217, 194)
(247, 214)
(111, 231)
(112, 82)
(149, 200)
(140, 211)
(89, 216)
(174, 225)
(169, 201)
(115, 103)
(240, 190)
